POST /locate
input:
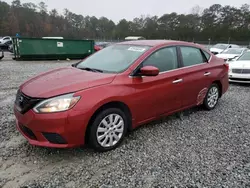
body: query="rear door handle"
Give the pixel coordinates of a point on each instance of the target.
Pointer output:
(207, 73)
(177, 81)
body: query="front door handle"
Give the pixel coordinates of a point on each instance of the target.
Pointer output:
(177, 81)
(207, 73)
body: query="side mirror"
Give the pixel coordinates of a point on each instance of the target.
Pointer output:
(149, 71)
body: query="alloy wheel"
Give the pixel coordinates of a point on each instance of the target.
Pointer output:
(110, 130)
(213, 96)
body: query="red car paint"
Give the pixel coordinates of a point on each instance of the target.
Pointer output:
(139, 94)
(97, 48)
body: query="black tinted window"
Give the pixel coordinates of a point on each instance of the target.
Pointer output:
(164, 59)
(191, 56)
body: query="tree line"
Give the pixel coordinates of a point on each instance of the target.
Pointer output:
(216, 23)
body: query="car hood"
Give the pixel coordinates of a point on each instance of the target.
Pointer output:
(63, 80)
(240, 65)
(227, 56)
(216, 50)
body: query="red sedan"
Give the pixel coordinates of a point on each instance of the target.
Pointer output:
(97, 48)
(117, 89)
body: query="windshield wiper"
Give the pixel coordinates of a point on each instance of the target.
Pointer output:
(90, 69)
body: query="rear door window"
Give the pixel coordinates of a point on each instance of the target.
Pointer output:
(191, 56)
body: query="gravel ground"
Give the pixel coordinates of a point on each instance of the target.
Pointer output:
(196, 149)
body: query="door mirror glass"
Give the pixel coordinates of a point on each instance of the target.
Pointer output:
(149, 71)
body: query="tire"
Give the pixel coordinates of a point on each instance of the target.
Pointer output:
(119, 128)
(212, 97)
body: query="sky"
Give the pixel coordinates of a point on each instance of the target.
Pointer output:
(129, 9)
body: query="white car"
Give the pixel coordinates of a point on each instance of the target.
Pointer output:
(220, 47)
(239, 70)
(5, 39)
(231, 53)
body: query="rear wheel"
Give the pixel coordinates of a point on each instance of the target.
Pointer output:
(212, 97)
(108, 129)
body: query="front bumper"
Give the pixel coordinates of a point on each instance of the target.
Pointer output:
(57, 130)
(239, 78)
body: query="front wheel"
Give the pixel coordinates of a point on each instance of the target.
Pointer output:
(108, 129)
(212, 97)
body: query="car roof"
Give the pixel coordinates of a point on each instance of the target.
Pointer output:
(155, 43)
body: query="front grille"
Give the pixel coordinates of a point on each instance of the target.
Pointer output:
(54, 138)
(241, 71)
(24, 103)
(29, 133)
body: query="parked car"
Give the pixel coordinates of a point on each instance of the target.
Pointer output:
(239, 70)
(5, 39)
(231, 53)
(220, 47)
(5, 45)
(100, 45)
(97, 48)
(99, 99)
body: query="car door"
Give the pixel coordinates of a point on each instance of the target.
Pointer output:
(159, 94)
(196, 74)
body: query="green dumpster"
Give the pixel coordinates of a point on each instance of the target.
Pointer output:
(51, 49)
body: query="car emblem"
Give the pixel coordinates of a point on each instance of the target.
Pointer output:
(20, 99)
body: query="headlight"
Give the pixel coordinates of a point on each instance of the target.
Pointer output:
(57, 104)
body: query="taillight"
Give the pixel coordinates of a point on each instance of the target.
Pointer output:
(227, 66)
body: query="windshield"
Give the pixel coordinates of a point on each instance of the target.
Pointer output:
(220, 46)
(232, 51)
(113, 59)
(244, 57)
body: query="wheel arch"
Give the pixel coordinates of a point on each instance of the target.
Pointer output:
(113, 104)
(218, 82)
